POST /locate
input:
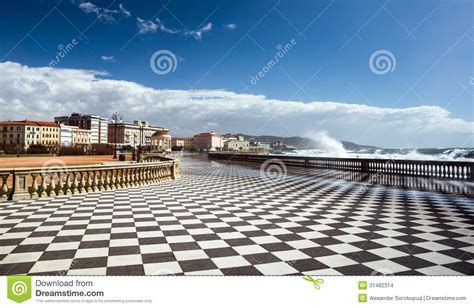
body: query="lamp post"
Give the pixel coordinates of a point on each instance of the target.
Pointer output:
(140, 145)
(116, 117)
(134, 146)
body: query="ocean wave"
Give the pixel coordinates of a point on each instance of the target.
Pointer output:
(461, 154)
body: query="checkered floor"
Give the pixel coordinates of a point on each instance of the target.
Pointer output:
(222, 219)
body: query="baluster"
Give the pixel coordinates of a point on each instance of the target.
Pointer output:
(34, 186)
(126, 178)
(87, 182)
(95, 181)
(118, 179)
(74, 189)
(111, 183)
(100, 183)
(4, 188)
(82, 182)
(52, 185)
(105, 177)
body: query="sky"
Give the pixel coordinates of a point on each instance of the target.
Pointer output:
(384, 73)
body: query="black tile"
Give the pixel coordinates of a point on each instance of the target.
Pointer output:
(128, 270)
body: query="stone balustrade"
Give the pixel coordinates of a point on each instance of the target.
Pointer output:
(26, 183)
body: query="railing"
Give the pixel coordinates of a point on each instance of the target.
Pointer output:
(25, 183)
(446, 170)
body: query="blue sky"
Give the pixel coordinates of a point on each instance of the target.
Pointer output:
(431, 42)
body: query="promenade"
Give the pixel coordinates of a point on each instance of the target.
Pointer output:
(229, 219)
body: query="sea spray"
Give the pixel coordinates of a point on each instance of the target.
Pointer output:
(328, 145)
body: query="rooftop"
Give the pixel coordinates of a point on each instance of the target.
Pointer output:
(28, 122)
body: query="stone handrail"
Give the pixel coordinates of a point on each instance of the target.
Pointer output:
(26, 183)
(446, 170)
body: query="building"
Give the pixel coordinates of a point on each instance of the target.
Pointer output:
(27, 133)
(96, 124)
(132, 134)
(182, 142)
(81, 137)
(161, 141)
(259, 147)
(236, 145)
(207, 142)
(66, 135)
(73, 136)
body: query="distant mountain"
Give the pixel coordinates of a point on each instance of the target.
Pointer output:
(303, 143)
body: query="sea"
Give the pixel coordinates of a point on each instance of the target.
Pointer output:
(460, 154)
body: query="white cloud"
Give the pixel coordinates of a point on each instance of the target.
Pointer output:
(230, 26)
(124, 11)
(166, 29)
(42, 93)
(104, 14)
(152, 26)
(108, 59)
(197, 34)
(146, 26)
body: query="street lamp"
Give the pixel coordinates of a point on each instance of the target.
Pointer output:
(116, 117)
(140, 145)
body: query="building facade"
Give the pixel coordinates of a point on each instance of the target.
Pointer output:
(132, 134)
(236, 145)
(207, 142)
(27, 133)
(161, 141)
(65, 136)
(182, 142)
(96, 124)
(73, 136)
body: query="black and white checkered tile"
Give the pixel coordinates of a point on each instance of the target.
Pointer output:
(230, 220)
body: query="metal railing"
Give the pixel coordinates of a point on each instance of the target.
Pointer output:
(446, 170)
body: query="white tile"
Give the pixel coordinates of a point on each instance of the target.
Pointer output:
(190, 255)
(336, 261)
(51, 266)
(265, 239)
(124, 242)
(289, 255)
(154, 248)
(437, 258)
(37, 240)
(349, 238)
(301, 244)
(100, 271)
(160, 269)
(433, 246)
(124, 260)
(180, 239)
(343, 248)
(232, 261)
(276, 268)
(212, 244)
(438, 270)
(212, 272)
(389, 242)
(388, 253)
(386, 267)
(63, 246)
(230, 235)
(92, 252)
(249, 249)
(22, 257)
